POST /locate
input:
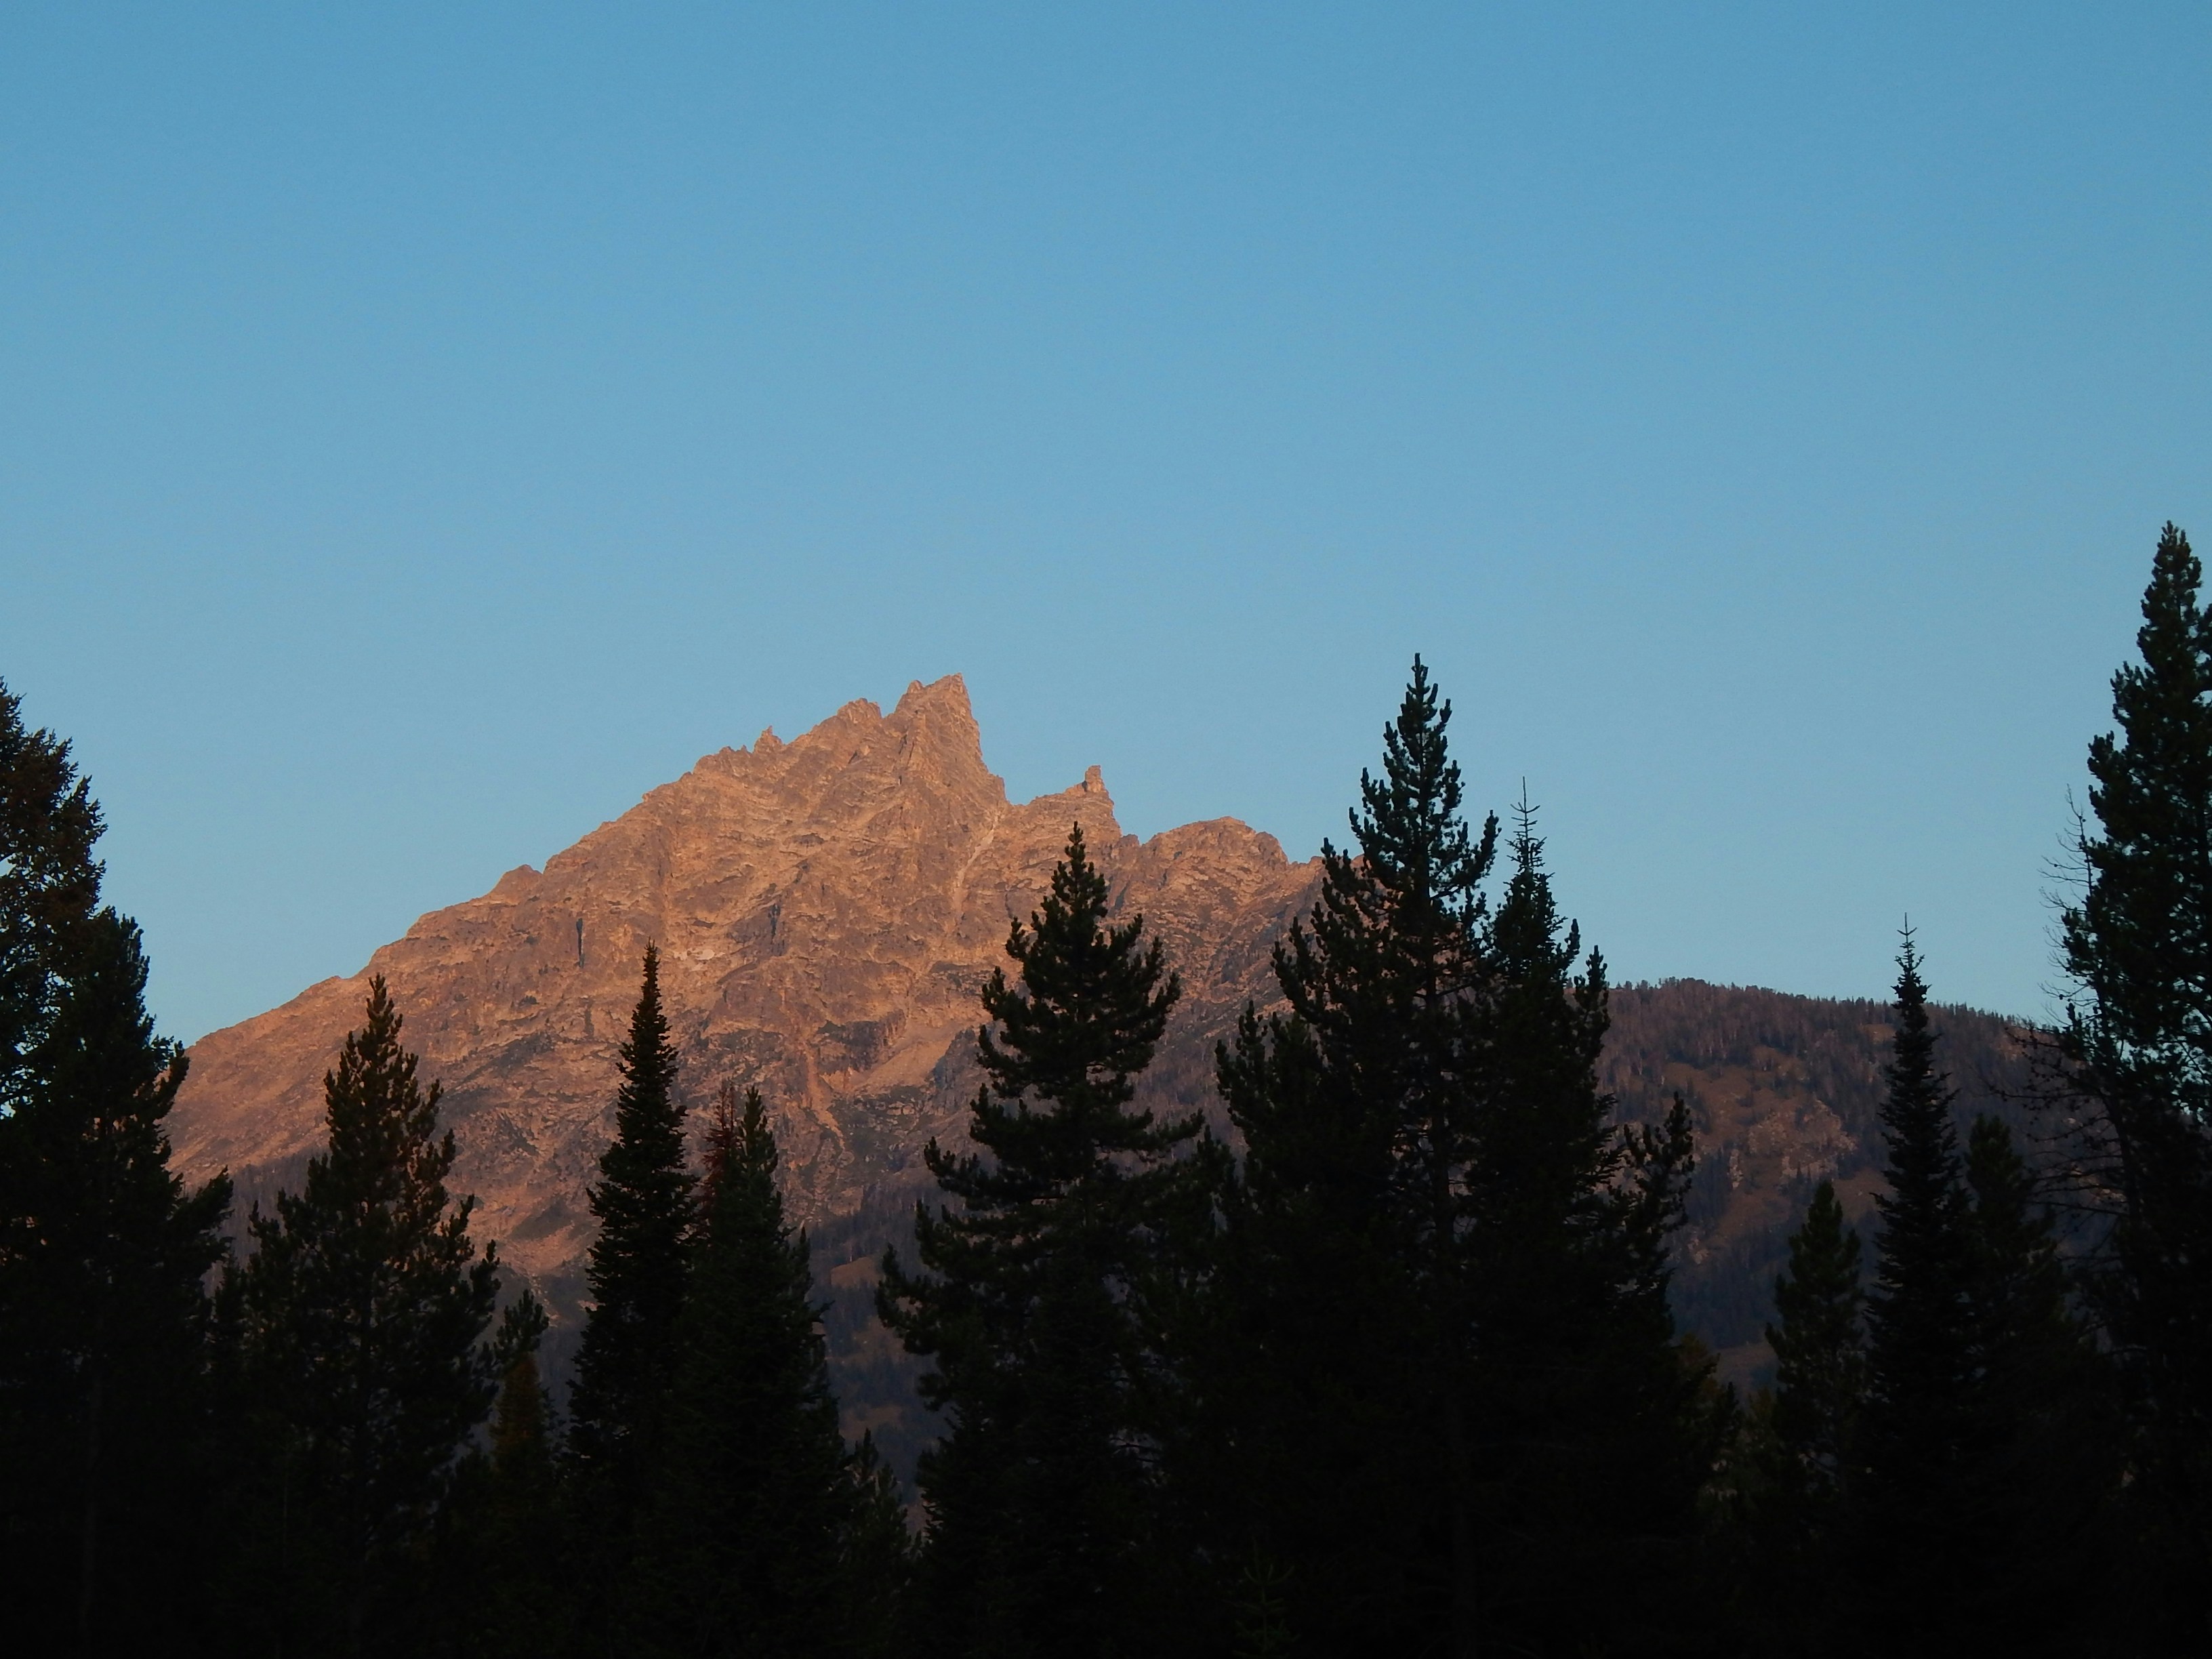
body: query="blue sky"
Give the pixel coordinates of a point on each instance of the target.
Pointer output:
(422, 429)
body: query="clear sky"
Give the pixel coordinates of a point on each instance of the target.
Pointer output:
(424, 428)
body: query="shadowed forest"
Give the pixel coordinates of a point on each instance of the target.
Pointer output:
(1436, 1333)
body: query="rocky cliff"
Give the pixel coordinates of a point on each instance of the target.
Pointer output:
(826, 909)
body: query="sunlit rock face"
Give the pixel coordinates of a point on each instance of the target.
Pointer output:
(826, 911)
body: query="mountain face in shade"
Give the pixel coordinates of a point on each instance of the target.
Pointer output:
(826, 911)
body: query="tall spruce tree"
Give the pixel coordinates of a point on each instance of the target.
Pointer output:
(646, 1206)
(365, 1306)
(103, 1319)
(101, 1250)
(1920, 1416)
(1594, 1428)
(1446, 1371)
(1342, 1315)
(1039, 1497)
(2139, 945)
(753, 1495)
(49, 883)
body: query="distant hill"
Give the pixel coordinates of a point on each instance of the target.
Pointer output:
(826, 909)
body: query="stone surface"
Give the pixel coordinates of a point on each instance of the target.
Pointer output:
(826, 910)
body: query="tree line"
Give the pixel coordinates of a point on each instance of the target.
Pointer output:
(1391, 1368)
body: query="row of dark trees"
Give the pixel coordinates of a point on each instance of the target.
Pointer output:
(2004, 1440)
(1390, 1369)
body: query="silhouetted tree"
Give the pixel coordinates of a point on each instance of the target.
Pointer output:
(1921, 1360)
(102, 1315)
(365, 1306)
(500, 1593)
(1803, 1439)
(49, 884)
(1339, 1326)
(752, 1496)
(1594, 1428)
(645, 1209)
(1446, 1375)
(2140, 946)
(1039, 1497)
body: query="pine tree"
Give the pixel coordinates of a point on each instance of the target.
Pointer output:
(1446, 1370)
(365, 1306)
(49, 884)
(2140, 947)
(752, 1496)
(102, 1316)
(1038, 1498)
(499, 1593)
(1341, 1305)
(1803, 1438)
(1594, 1428)
(101, 1252)
(1819, 1350)
(1919, 1421)
(645, 1208)
(2039, 1492)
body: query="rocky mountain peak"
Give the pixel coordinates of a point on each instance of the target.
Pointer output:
(826, 909)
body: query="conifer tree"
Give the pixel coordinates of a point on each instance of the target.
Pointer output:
(2139, 945)
(645, 1208)
(49, 883)
(365, 1306)
(2046, 1464)
(1444, 1267)
(1038, 1497)
(1340, 1307)
(101, 1251)
(1594, 1428)
(1819, 1350)
(1920, 1405)
(501, 1594)
(1803, 1438)
(103, 1318)
(752, 1497)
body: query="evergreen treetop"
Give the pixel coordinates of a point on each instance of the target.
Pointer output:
(646, 1207)
(103, 1315)
(1916, 1315)
(752, 1499)
(2140, 942)
(367, 1305)
(49, 883)
(2139, 945)
(1820, 1353)
(1038, 1496)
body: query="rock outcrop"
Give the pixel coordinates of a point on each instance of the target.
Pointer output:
(826, 910)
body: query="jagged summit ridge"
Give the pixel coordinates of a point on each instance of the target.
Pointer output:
(826, 909)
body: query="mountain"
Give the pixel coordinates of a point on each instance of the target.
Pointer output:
(826, 910)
